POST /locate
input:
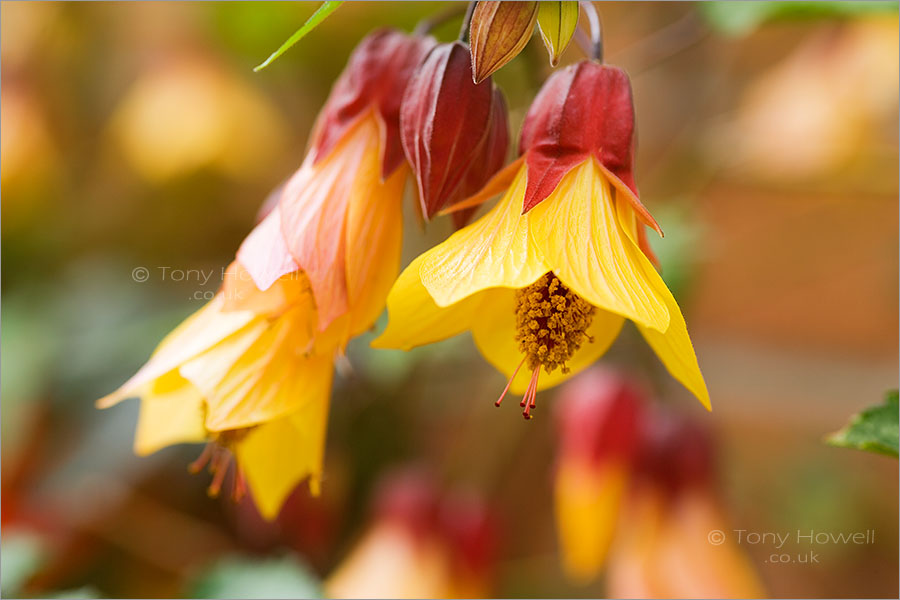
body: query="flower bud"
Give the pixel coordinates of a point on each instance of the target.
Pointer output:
(454, 132)
(557, 22)
(599, 416)
(498, 32)
(375, 77)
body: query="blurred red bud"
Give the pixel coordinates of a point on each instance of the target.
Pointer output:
(454, 132)
(376, 75)
(599, 415)
(676, 453)
(498, 32)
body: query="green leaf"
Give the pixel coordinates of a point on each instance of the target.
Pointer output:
(557, 21)
(873, 430)
(311, 23)
(243, 577)
(740, 18)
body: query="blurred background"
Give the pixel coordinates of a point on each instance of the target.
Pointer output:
(136, 135)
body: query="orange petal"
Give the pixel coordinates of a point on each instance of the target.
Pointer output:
(496, 185)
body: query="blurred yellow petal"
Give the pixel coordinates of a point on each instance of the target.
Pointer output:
(587, 499)
(494, 332)
(414, 319)
(202, 330)
(171, 413)
(392, 562)
(494, 251)
(578, 233)
(374, 238)
(249, 383)
(690, 566)
(275, 456)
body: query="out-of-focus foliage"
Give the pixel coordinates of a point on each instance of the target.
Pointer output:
(23, 555)
(873, 430)
(243, 577)
(740, 18)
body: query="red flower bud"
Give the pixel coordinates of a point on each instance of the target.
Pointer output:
(583, 110)
(376, 76)
(454, 132)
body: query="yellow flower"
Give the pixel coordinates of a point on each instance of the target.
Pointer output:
(251, 371)
(548, 288)
(245, 373)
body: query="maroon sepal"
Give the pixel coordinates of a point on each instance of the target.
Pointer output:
(454, 132)
(583, 110)
(375, 77)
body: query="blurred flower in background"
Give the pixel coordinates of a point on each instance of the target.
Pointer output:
(421, 544)
(637, 483)
(189, 113)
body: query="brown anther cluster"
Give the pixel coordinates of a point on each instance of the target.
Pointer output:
(551, 321)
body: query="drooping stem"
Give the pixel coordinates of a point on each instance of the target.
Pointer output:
(467, 22)
(426, 25)
(596, 26)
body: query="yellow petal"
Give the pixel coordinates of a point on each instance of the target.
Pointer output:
(494, 251)
(374, 237)
(171, 413)
(277, 455)
(587, 500)
(246, 384)
(578, 233)
(676, 352)
(197, 333)
(495, 328)
(413, 317)
(673, 347)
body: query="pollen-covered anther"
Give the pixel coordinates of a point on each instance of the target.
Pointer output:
(218, 455)
(551, 323)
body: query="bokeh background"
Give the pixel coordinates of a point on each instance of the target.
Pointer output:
(137, 135)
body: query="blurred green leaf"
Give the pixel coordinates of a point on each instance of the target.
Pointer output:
(311, 23)
(557, 22)
(873, 430)
(740, 18)
(244, 577)
(23, 555)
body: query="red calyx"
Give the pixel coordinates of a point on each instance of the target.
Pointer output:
(599, 416)
(453, 131)
(583, 110)
(376, 75)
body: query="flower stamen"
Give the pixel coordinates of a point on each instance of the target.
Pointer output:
(551, 323)
(218, 456)
(509, 383)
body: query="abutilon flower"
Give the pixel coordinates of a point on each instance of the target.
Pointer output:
(251, 371)
(668, 543)
(547, 277)
(421, 544)
(454, 132)
(599, 417)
